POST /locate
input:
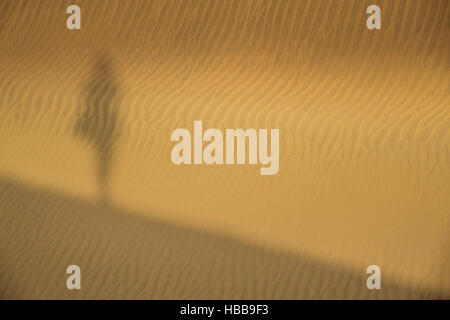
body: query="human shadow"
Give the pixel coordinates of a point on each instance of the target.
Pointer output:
(98, 122)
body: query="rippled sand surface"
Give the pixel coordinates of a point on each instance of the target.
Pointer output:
(86, 176)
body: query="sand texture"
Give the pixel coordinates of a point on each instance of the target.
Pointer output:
(86, 176)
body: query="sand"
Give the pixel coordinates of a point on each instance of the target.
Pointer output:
(86, 176)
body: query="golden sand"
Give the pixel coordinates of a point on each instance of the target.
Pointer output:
(85, 170)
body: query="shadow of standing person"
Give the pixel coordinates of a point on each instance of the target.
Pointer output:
(98, 123)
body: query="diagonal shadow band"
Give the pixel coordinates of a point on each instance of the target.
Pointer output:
(123, 255)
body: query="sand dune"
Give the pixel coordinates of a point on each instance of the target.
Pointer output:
(85, 124)
(124, 256)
